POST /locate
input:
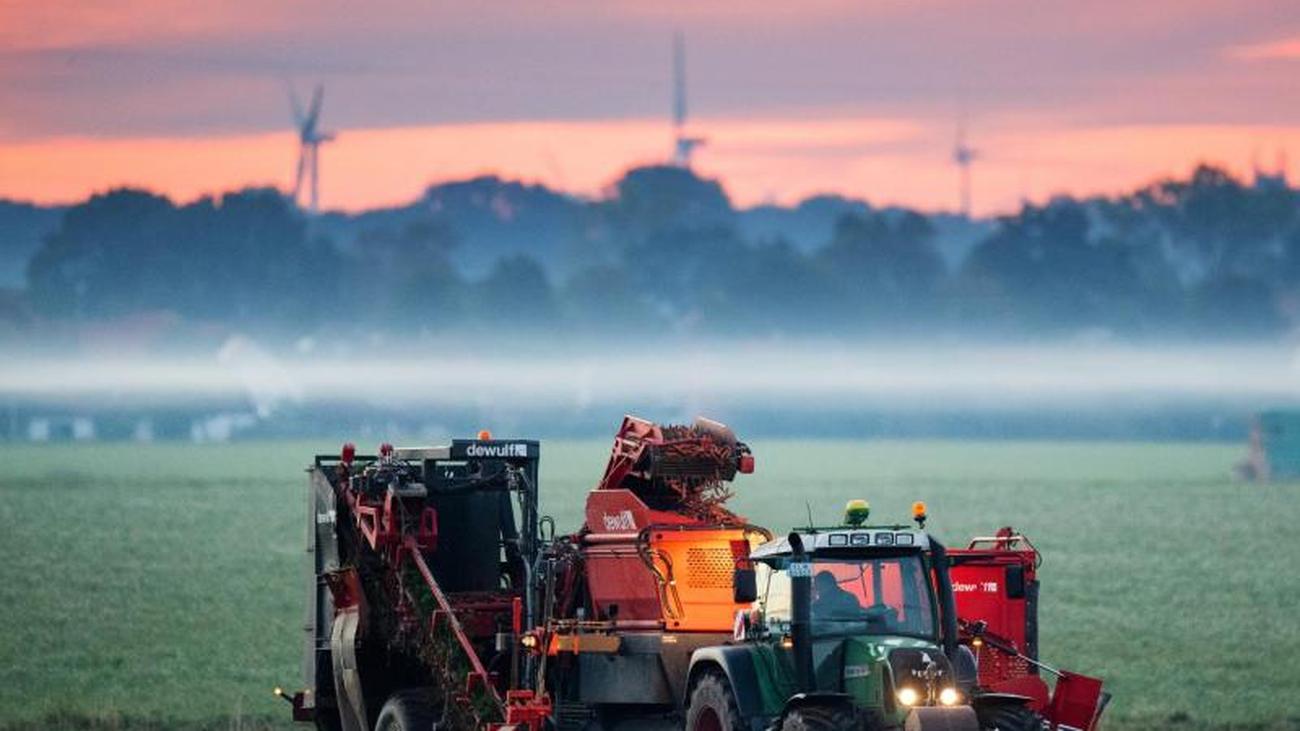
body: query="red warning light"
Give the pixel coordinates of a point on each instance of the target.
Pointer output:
(348, 453)
(385, 450)
(746, 464)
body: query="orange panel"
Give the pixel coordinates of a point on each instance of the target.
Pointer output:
(699, 564)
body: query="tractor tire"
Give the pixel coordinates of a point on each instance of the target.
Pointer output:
(819, 718)
(407, 710)
(713, 706)
(1010, 718)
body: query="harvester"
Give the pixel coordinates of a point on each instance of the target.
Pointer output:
(649, 578)
(420, 588)
(441, 597)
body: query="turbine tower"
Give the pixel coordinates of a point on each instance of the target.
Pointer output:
(310, 137)
(1275, 179)
(963, 155)
(683, 143)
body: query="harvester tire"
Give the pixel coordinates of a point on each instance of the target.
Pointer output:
(819, 718)
(1010, 718)
(407, 710)
(713, 706)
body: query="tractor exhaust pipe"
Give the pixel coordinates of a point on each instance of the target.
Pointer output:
(947, 602)
(801, 614)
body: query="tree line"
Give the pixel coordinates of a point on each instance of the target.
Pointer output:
(665, 252)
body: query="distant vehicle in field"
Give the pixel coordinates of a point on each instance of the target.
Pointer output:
(1274, 447)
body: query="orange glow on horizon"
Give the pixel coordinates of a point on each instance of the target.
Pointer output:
(886, 161)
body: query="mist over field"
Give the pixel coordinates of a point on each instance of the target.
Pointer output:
(824, 375)
(781, 387)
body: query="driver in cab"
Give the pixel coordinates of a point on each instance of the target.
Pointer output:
(832, 602)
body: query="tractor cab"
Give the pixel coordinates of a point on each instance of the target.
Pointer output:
(852, 626)
(868, 582)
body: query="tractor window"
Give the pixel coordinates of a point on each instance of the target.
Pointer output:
(878, 596)
(774, 593)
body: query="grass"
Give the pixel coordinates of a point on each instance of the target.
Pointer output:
(160, 586)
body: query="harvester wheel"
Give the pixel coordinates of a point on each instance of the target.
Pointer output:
(407, 710)
(819, 718)
(1010, 718)
(713, 706)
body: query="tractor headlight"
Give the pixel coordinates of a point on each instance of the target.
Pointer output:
(949, 696)
(908, 696)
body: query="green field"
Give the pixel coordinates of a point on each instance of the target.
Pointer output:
(160, 586)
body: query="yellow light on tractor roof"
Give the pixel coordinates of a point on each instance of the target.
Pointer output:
(856, 512)
(919, 512)
(484, 435)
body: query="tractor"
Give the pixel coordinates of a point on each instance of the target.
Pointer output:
(861, 627)
(852, 627)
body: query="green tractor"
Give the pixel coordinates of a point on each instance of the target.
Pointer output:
(852, 627)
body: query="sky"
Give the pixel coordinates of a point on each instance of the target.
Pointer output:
(858, 97)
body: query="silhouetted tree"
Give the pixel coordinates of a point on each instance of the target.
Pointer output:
(1044, 270)
(604, 299)
(1205, 255)
(516, 294)
(684, 275)
(884, 269)
(1218, 226)
(650, 201)
(405, 276)
(99, 261)
(776, 289)
(244, 259)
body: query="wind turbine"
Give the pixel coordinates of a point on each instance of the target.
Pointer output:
(310, 137)
(963, 155)
(683, 144)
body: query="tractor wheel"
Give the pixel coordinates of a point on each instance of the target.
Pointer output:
(713, 706)
(407, 710)
(819, 718)
(1009, 718)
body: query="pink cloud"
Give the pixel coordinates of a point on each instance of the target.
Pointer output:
(63, 24)
(1286, 48)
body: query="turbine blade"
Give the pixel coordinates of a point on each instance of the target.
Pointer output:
(679, 79)
(313, 113)
(296, 106)
(302, 167)
(315, 179)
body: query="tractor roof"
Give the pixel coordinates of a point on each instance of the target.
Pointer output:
(838, 539)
